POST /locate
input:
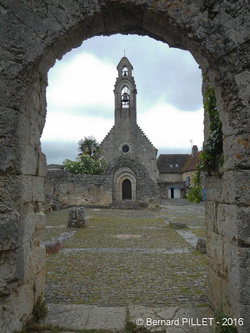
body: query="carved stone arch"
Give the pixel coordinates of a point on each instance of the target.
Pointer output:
(124, 83)
(33, 36)
(130, 84)
(125, 71)
(126, 162)
(120, 176)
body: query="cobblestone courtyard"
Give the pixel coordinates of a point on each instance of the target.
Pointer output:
(127, 258)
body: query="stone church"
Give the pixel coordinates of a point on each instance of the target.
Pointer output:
(134, 177)
(130, 156)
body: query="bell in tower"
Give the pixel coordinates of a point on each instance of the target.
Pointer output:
(125, 93)
(125, 71)
(125, 97)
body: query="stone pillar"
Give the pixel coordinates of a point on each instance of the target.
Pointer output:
(228, 211)
(22, 175)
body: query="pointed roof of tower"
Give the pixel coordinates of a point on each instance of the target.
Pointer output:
(124, 62)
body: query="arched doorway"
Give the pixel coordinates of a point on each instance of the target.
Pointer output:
(126, 190)
(124, 185)
(41, 33)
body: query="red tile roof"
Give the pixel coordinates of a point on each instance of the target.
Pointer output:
(192, 162)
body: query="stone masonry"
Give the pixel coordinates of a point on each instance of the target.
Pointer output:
(66, 190)
(36, 33)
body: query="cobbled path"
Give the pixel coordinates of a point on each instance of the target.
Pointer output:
(127, 258)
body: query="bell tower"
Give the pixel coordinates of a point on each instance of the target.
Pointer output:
(130, 156)
(125, 93)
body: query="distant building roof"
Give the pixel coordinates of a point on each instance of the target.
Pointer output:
(192, 162)
(51, 167)
(172, 163)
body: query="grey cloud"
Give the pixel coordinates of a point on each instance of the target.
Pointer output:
(160, 73)
(100, 112)
(57, 152)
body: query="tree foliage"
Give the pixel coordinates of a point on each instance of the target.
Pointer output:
(211, 157)
(194, 192)
(90, 147)
(85, 165)
(87, 161)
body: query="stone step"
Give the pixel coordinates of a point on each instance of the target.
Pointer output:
(77, 317)
(126, 205)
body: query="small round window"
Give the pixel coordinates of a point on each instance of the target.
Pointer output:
(125, 148)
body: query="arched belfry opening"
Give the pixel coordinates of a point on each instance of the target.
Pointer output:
(40, 33)
(125, 71)
(125, 97)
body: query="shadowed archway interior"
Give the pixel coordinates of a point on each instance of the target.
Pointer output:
(126, 190)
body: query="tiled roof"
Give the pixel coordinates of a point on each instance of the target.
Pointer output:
(172, 163)
(55, 167)
(192, 162)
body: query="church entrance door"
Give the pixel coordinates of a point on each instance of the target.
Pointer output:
(126, 190)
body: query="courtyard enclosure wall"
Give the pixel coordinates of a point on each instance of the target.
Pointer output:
(35, 34)
(65, 190)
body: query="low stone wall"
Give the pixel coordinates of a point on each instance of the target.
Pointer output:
(65, 190)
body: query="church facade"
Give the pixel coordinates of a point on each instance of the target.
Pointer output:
(134, 177)
(130, 156)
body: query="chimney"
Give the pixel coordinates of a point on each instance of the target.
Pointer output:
(194, 150)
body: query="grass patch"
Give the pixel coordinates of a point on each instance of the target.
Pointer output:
(124, 277)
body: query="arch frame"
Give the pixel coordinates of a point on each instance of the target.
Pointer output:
(33, 37)
(119, 176)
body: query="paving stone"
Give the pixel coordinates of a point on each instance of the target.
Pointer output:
(159, 319)
(78, 317)
(151, 269)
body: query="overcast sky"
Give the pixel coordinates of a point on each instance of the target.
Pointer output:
(80, 98)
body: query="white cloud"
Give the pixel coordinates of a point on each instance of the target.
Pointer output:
(83, 82)
(166, 126)
(69, 127)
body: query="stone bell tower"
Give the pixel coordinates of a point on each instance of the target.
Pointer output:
(130, 156)
(125, 93)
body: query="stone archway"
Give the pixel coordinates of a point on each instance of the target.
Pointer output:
(124, 175)
(33, 35)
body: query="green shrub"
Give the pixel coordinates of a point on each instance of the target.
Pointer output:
(85, 165)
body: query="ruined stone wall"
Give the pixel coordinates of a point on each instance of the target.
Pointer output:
(36, 33)
(65, 190)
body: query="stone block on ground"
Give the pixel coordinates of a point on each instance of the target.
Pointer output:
(201, 245)
(52, 246)
(76, 218)
(178, 225)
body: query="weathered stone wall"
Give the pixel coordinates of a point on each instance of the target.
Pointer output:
(33, 35)
(64, 190)
(128, 132)
(146, 187)
(170, 177)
